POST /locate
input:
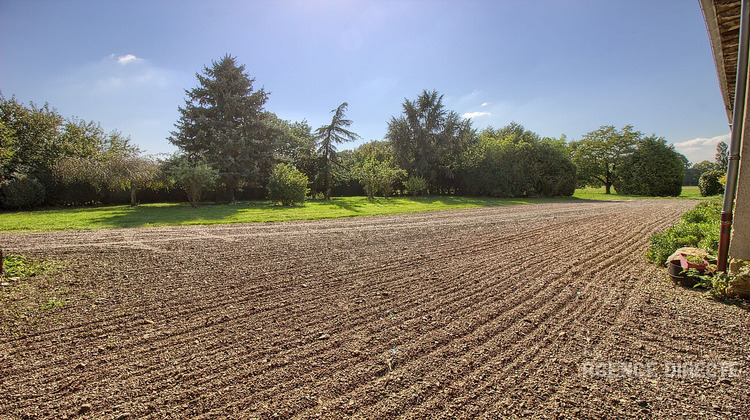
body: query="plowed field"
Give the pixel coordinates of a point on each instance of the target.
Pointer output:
(546, 310)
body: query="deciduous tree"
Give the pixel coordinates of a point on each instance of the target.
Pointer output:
(598, 154)
(694, 172)
(515, 162)
(115, 164)
(298, 146)
(31, 139)
(378, 176)
(193, 178)
(287, 185)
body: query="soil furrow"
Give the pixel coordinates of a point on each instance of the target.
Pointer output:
(491, 313)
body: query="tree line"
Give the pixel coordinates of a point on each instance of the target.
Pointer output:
(230, 147)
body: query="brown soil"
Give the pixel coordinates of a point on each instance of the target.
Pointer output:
(547, 310)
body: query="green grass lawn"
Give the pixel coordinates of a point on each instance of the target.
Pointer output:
(172, 214)
(692, 192)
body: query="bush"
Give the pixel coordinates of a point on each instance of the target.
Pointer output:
(287, 185)
(378, 177)
(415, 185)
(698, 228)
(710, 183)
(653, 169)
(21, 191)
(503, 167)
(193, 179)
(555, 172)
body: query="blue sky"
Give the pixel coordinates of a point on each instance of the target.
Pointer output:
(556, 67)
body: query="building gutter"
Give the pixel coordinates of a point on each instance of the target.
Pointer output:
(735, 142)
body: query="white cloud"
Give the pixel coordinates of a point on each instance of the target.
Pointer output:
(700, 149)
(485, 103)
(475, 114)
(127, 59)
(703, 142)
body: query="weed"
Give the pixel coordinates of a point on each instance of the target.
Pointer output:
(717, 282)
(23, 267)
(28, 293)
(53, 304)
(698, 228)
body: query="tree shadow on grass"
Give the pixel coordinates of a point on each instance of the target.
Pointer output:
(182, 214)
(346, 204)
(164, 215)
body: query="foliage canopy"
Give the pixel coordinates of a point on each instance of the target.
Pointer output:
(427, 140)
(654, 168)
(223, 122)
(515, 162)
(287, 185)
(600, 152)
(328, 136)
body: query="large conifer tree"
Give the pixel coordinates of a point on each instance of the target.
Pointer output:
(328, 136)
(427, 140)
(224, 123)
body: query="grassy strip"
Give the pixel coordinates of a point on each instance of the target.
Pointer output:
(174, 214)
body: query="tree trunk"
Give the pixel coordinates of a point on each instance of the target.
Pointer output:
(231, 187)
(607, 188)
(133, 201)
(327, 186)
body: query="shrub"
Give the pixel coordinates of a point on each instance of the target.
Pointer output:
(653, 169)
(378, 177)
(193, 179)
(555, 172)
(21, 191)
(698, 228)
(415, 185)
(513, 167)
(287, 185)
(710, 183)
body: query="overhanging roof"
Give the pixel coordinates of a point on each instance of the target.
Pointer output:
(723, 24)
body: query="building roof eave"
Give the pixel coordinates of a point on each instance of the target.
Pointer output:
(722, 19)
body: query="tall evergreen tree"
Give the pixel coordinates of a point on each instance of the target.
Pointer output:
(653, 169)
(224, 123)
(328, 137)
(428, 139)
(722, 156)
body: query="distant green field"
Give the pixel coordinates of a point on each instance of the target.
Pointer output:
(599, 194)
(173, 214)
